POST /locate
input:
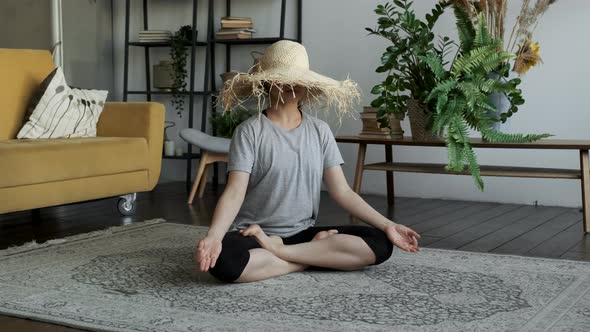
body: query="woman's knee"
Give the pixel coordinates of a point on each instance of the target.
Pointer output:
(379, 244)
(228, 269)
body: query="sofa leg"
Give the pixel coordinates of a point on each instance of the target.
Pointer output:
(127, 204)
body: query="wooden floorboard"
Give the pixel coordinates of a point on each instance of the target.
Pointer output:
(482, 216)
(539, 234)
(553, 232)
(510, 232)
(473, 233)
(560, 243)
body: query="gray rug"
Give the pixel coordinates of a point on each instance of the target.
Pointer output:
(142, 278)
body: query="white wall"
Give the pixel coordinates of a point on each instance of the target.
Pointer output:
(333, 32)
(88, 44)
(25, 24)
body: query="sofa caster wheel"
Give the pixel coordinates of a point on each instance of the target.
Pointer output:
(127, 204)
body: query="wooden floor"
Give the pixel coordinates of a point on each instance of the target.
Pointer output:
(554, 232)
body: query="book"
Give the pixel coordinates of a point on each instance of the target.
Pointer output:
(234, 30)
(230, 25)
(235, 18)
(240, 35)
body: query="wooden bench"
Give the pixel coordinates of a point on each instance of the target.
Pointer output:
(582, 174)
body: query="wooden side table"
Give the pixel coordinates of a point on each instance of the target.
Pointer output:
(389, 166)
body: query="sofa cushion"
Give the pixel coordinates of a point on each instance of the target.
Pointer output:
(63, 111)
(22, 72)
(25, 162)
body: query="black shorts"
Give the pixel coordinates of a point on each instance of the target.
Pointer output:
(235, 248)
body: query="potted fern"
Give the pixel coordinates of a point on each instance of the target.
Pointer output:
(408, 80)
(461, 95)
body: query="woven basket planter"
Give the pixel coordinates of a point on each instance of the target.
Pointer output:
(417, 115)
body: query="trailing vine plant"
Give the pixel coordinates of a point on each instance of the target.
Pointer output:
(178, 55)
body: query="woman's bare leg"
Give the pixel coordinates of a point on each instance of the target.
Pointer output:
(263, 264)
(340, 251)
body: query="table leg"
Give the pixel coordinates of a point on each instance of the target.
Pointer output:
(389, 175)
(360, 163)
(358, 175)
(585, 169)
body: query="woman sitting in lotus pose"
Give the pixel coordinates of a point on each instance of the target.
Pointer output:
(277, 161)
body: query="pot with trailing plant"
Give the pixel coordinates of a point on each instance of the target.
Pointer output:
(178, 54)
(408, 79)
(461, 95)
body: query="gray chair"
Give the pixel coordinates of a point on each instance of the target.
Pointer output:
(213, 149)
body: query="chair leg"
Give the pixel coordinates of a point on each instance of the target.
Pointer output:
(202, 165)
(204, 180)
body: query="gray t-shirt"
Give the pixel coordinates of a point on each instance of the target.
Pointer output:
(286, 169)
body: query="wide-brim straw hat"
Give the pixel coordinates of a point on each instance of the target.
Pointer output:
(285, 63)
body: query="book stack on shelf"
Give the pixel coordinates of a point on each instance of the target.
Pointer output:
(153, 36)
(235, 28)
(371, 126)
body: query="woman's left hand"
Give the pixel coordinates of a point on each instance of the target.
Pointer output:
(403, 237)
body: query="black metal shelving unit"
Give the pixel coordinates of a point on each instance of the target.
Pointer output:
(209, 86)
(228, 43)
(191, 93)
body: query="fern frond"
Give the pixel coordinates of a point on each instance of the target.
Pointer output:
(465, 29)
(495, 136)
(482, 35)
(442, 88)
(467, 63)
(436, 66)
(471, 160)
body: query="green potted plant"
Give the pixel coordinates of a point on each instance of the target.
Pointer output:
(520, 43)
(408, 79)
(461, 95)
(225, 123)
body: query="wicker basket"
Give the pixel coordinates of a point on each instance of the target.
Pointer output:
(417, 115)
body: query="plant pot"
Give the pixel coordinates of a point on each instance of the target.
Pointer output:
(502, 105)
(227, 76)
(371, 126)
(418, 120)
(163, 74)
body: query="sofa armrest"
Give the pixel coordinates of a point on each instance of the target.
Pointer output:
(137, 119)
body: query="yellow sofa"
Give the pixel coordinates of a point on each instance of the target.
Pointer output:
(123, 159)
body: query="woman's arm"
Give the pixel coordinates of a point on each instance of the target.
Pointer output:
(340, 191)
(229, 203)
(225, 212)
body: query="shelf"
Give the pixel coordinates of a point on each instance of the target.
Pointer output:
(250, 41)
(184, 156)
(162, 44)
(159, 92)
(504, 171)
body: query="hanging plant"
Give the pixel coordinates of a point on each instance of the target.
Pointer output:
(178, 55)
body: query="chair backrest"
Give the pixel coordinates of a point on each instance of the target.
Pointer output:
(21, 73)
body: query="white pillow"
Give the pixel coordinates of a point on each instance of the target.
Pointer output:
(64, 112)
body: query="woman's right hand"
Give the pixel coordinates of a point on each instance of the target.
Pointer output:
(208, 251)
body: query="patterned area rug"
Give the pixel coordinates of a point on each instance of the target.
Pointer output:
(142, 277)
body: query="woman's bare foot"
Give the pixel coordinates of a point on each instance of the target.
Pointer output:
(271, 243)
(324, 234)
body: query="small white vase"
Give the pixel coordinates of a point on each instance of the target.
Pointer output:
(169, 148)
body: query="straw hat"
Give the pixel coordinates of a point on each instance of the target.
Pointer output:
(285, 63)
